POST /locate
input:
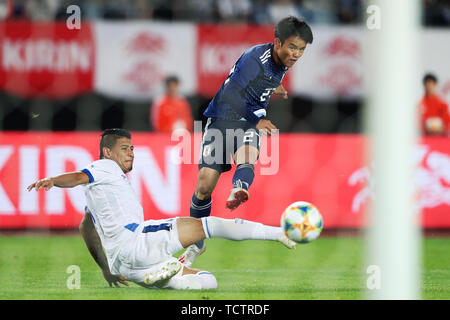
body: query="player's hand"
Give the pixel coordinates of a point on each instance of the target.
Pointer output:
(46, 183)
(113, 279)
(281, 91)
(266, 126)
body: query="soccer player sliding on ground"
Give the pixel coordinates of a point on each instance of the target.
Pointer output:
(236, 116)
(141, 250)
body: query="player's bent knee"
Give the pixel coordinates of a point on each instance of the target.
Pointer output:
(207, 279)
(202, 280)
(203, 191)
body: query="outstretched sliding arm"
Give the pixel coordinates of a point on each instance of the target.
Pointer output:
(65, 180)
(94, 244)
(87, 228)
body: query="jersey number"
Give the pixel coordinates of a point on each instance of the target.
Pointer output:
(266, 94)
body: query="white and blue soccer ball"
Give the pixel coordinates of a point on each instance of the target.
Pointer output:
(302, 222)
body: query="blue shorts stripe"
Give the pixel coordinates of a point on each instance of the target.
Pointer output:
(207, 229)
(158, 227)
(132, 226)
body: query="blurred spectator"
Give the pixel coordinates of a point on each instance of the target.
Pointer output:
(42, 10)
(435, 118)
(233, 10)
(171, 111)
(164, 10)
(198, 10)
(115, 9)
(260, 12)
(319, 11)
(280, 9)
(349, 11)
(6, 9)
(436, 13)
(17, 9)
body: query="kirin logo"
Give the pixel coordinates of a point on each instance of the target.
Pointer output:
(341, 78)
(146, 42)
(431, 179)
(343, 46)
(146, 49)
(342, 54)
(144, 75)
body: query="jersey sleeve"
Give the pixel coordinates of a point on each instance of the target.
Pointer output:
(100, 171)
(246, 70)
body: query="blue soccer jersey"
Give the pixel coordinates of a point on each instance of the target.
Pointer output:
(245, 94)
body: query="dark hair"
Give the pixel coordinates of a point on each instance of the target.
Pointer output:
(429, 76)
(110, 136)
(292, 26)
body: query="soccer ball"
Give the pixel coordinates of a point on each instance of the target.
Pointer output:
(302, 222)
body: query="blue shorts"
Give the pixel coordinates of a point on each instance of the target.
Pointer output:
(222, 138)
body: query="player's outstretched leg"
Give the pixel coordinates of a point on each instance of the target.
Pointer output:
(171, 274)
(239, 229)
(192, 230)
(190, 279)
(200, 207)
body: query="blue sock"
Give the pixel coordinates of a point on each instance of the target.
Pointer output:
(199, 209)
(243, 176)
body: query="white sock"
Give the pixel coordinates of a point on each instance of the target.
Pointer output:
(239, 229)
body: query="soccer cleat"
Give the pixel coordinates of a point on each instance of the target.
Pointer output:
(236, 198)
(164, 273)
(290, 244)
(191, 254)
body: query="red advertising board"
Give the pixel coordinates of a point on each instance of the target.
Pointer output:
(46, 59)
(327, 170)
(219, 47)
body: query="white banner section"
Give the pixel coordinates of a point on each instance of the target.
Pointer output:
(332, 65)
(133, 59)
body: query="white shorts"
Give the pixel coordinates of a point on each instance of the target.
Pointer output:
(154, 244)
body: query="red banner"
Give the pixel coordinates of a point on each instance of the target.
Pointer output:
(46, 59)
(219, 47)
(326, 170)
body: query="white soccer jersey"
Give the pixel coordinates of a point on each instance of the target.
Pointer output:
(113, 203)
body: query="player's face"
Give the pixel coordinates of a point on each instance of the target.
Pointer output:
(290, 51)
(123, 154)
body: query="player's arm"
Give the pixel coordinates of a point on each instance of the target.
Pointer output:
(281, 91)
(232, 96)
(248, 70)
(94, 245)
(233, 99)
(65, 180)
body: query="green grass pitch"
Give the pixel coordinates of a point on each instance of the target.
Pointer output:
(35, 267)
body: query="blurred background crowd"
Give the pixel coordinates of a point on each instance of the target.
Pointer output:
(94, 111)
(435, 12)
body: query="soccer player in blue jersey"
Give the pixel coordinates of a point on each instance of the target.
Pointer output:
(237, 115)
